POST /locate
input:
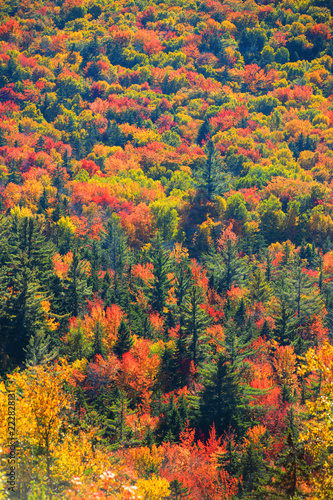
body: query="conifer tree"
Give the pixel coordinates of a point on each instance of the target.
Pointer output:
(210, 176)
(196, 321)
(307, 302)
(259, 289)
(161, 263)
(39, 350)
(77, 289)
(226, 266)
(124, 341)
(178, 491)
(223, 400)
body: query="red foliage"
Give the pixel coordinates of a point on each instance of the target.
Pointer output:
(90, 166)
(9, 28)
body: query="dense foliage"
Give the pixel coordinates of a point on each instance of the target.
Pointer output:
(166, 251)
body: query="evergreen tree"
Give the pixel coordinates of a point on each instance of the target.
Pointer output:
(115, 251)
(178, 491)
(98, 347)
(224, 401)
(39, 350)
(307, 303)
(196, 321)
(21, 314)
(160, 288)
(113, 136)
(94, 258)
(210, 177)
(253, 469)
(285, 324)
(183, 277)
(77, 290)
(204, 132)
(291, 471)
(14, 173)
(172, 423)
(124, 341)
(226, 266)
(259, 289)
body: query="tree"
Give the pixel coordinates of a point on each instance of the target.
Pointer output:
(317, 434)
(306, 296)
(160, 261)
(272, 218)
(21, 307)
(259, 289)
(124, 341)
(77, 290)
(225, 266)
(153, 488)
(178, 491)
(40, 350)
(196, 321)
(223, 401)
(42, 404)
(210, 176)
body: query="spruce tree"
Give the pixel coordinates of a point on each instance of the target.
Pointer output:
(196, 321)
(124, 341)
(210, 177)
(224, 401)
(77, 289)
(39, 350)
(259, 289)
(161, 285)
(307, 303)
(178, 491)
(226, 266)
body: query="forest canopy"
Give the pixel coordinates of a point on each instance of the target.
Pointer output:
(166, 249)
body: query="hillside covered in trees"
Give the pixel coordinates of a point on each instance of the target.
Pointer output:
(166, 260)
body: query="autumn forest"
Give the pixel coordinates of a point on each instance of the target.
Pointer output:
(166, 249)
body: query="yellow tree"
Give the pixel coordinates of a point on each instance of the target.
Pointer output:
(40, 410)
(49, 447)
(318, 429)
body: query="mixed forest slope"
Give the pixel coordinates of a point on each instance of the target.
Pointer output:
(166, 262)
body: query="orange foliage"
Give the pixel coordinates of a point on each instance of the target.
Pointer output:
(139, 225)
(139, 370)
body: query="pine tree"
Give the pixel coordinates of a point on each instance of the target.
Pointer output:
(77, 290)
(253, 469)
(284, 312)
(306, 301)
(183, 275)
(226, 266)
(196, 321)
(94, 258)
(292, 468)
(204, 132)
(14, 173)
(124, 341)
(223, 401)
(21, 314)
(113, 136)
(39, 350)
(172, 423)
(210, 177)
(115, 251)
(98, 347)
(230, 461)
(259, 289)
(161, 263)
(268, 266)
(178, 491)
